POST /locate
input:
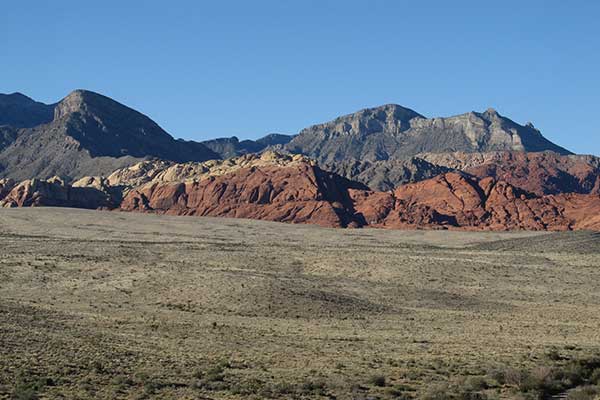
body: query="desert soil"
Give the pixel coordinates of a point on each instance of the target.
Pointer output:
(103, 305)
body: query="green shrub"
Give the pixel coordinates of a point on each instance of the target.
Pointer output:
(377, 380)
(554, 355)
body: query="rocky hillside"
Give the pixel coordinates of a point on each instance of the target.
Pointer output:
(386, 167)
(456, 201)
(282, 188)
(19, 111)
(539, 173)
(232, 147)
(387, 174)
(89, 134)
(395, 132)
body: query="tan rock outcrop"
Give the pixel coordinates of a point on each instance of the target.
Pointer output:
(54, 192)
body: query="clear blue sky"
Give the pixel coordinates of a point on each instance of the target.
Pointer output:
(220, 68)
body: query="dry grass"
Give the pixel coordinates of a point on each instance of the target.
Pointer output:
(116, 305)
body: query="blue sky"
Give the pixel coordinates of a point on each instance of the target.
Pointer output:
(221, 68)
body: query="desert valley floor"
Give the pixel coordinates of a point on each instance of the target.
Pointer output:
(103, 305)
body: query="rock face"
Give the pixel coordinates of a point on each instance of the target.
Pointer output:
(6, 186)
(539, 173)
(55, 193)
(456, 201)
(303, 193)
(299, 193)
(19, 111)
(387, 174)
(283, 188)
(233, 147)
(90, 134)
(161, 172)
(395, 132)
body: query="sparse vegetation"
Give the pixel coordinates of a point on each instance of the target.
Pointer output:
(377, 380)
(130, 306)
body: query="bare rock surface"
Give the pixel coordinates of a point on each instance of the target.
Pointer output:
(56, 193)
(88, 134)
(540, 173)
(298, 193)
(303, 193)
(394, 132)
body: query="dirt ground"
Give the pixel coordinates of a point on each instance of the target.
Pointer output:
(109, 305)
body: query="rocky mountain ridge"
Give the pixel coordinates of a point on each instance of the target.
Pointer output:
(89, 134)
(394, 132)
(232, 146)
(20, 111)
(385, 167)
(278, 187)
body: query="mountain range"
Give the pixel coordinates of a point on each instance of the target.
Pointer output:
(353, 171)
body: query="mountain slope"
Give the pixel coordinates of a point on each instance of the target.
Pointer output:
(19, 111)
(395, 132)
(292, 189)
(91, 134)
(539, 173)
(232, 147)
(386, 174)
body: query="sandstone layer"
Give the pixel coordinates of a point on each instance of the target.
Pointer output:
(294, 189)
(303, 193)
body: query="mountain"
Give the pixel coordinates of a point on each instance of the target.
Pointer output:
(283, 188)
(386, 174)
(8, 135)
(394, 132)
(232, 147)
(90, 134)
(538, 173)
(454, 200)
(299, 192)
(19, 111)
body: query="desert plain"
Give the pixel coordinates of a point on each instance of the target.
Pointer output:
(113, 305)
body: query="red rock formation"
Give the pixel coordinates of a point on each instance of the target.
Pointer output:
(538, 173)
(305, 194)
(300, 193)
(455, 201)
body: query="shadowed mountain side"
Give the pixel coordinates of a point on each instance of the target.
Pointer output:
(19, 111)
(90, 134)
(233, 147)
(388, 174)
